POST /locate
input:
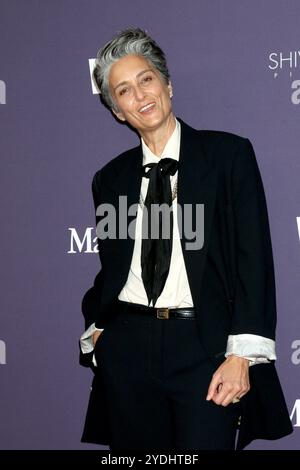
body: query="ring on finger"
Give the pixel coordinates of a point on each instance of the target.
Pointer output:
(236, 400)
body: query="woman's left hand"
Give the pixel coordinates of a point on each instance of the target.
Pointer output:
(230, 382)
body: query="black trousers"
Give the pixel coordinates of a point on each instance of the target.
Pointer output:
(156, 378)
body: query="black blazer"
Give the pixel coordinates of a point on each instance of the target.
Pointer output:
(231, 277)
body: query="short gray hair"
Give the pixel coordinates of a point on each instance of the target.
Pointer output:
(129, 41)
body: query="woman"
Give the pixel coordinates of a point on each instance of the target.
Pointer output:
(174, 325)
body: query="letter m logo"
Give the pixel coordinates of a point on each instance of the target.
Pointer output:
(84, 244)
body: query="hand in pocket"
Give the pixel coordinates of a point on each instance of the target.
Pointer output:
(96, 335)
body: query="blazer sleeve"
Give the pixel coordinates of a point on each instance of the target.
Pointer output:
(92, 298)
(254, 306)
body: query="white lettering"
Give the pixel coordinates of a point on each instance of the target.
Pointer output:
(298, 225)
(279, 59)
(2, 352)
(296, 410)
(2, 92)
(295, 96)
(295, 358)
(87, 239)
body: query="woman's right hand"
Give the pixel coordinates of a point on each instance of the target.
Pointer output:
(95, 336)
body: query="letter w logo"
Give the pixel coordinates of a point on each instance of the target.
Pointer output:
(296, 411)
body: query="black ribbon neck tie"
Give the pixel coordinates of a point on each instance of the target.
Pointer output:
(156, 250)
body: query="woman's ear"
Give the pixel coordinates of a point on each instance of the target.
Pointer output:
(119, 115)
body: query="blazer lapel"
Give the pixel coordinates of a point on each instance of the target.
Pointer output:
(197, 183)
(127, 182)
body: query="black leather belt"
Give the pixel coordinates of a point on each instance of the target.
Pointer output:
(163, 313)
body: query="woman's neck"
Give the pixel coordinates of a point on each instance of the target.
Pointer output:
(156, 140)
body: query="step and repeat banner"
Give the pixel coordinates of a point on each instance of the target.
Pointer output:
(235, 66)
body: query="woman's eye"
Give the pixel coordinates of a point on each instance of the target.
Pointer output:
(147, 79)
(123, 91)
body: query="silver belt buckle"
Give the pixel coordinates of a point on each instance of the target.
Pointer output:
(162, 313)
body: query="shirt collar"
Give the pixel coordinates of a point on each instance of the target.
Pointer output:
(171, 149)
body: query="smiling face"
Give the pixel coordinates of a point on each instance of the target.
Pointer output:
(140, 92)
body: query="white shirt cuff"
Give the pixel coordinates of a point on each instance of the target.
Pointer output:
(86, 339)
(258, 349)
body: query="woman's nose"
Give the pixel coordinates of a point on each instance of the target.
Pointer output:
(139, 93)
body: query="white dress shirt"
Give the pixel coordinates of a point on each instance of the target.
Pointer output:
(176, 292)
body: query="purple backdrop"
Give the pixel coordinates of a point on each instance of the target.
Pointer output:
(229, 71)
